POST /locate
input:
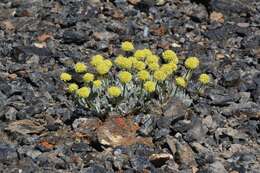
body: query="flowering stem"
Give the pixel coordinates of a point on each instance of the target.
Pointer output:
(187, 75)
(200, 88)
(142, 86)
(175, 91)
(124, 90)
(156, 85)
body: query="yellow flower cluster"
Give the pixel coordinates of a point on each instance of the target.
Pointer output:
(143, 75)
(102, 68)
(138, 70)
(167, 69)
(73, 88)
(149, 86)
(83, 92)
(139, 65)
(170, 56)
(153, 66)
(80, 67)
(125, 76)
(65, 77)
(159, 75)
(88, 77)
(127, 46)
(147, 52)
(123, 62)
(204, 78)
(97, 59)
(180, 81)
(101, 65)
(114, 91)
(140, 54)
(97, 83)
(192, 63)
(151, 59)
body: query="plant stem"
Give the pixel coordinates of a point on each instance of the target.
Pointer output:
(200, 88)
(187, 75)
(175, 91)
(156, 85)
(142, 86)
(124, 90)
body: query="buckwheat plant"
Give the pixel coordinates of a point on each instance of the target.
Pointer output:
(131, 81)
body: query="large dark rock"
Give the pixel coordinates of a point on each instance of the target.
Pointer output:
(73, 37)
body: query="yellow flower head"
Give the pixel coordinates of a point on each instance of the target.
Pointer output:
(204, 78)
(153, 66)
(192, 63)
(88, 77)
(108, 62)
(97, 59)
(180, 81)
(127, 46)
(139, 65)
(97, 83)
(72, 88)
(140, 54)
(149, 86)
(159, 75)
(125, 76)
(102, 68)
(65, 77)
(169, 55)
(143, 75)
(80, 67)
(147, 52)
(151, 59)
(133, 59)
(173, 66)
(119, 60)
(83, 92)
(114, 91)
(167, 69)
(123, 62)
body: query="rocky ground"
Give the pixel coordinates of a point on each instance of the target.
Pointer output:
(41, 129)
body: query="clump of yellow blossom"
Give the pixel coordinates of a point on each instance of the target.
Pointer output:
(102, 68)
(169, 55)
(108, 62)
(151, 59)
(143, 75)
(167, 69)
(123, 62)
(97, 83)
(139, 65)
(153, 66)
(147, 52)
(180, 81)
(140, 54)
(65, 77)
(97, 59)
(149, 86)
(127, 46)
(72, 88)
(159, 75)
(133, 59)
(88, 77)
(80, 67)
(173, 66)
(83, 92)
(192, 63)
(125, 76)
(204, 78)
(114, 91)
